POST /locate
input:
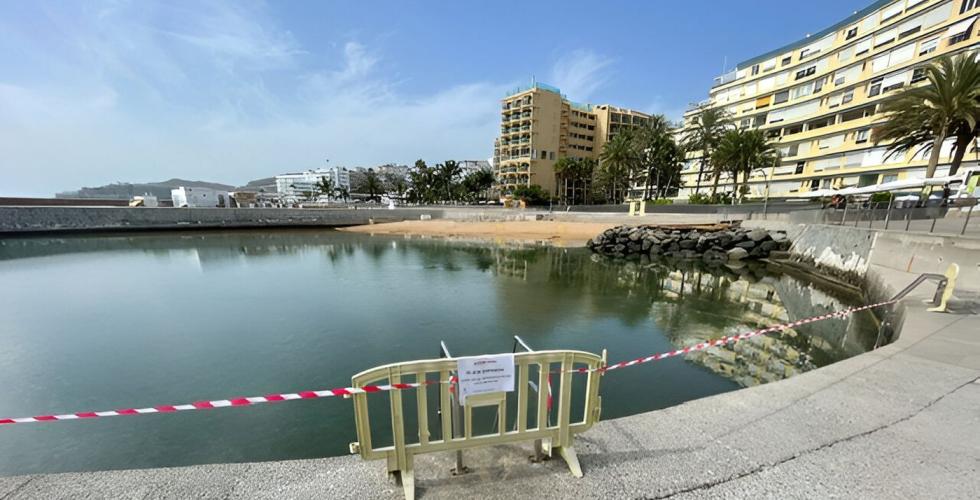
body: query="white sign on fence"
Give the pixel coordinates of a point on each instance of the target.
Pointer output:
(482, 374)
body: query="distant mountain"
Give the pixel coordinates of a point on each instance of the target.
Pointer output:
(266, 185)
(125, 190)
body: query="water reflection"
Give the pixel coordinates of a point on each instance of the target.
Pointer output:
(99, 322)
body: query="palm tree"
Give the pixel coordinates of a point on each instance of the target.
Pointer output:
(371, 185)
(447, 174)
(343, 192)
(563, 173)
(924, 116)
(617, 161)
(742, 151)
(660, 155)
(324, 187)
(705, 132)
(483, 180)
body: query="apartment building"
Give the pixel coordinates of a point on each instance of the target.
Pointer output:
(819, 98)
(539, 125)
(293, 187)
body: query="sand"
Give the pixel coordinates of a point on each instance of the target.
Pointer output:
(566, 234)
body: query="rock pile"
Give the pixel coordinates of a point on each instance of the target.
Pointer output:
(713, 244)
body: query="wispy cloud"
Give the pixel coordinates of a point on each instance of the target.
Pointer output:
(579, 74)
(137, 92)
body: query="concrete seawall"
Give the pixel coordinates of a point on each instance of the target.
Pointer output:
(20, 220)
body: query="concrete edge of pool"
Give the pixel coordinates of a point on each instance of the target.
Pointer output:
(897, 422)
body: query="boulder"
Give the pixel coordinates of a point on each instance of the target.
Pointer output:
(745, 244)
(688, 244)
(737, 253)
(757, 234)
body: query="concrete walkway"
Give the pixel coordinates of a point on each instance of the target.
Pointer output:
(899, 422)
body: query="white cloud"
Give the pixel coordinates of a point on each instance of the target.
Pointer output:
(229, 97)
(580, 73)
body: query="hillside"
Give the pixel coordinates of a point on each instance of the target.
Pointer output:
(125, 190)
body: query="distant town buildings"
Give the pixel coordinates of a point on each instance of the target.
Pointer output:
(539, 125)
(294, 187)
(199, 197)
(819, 98)
(468, 167)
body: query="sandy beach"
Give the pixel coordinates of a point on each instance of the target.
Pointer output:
(567, 234)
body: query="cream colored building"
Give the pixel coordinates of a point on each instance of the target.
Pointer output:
(818, 98)
(539, 125)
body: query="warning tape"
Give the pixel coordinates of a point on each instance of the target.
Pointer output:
(221, 403)
(736, 338)
(367, 389)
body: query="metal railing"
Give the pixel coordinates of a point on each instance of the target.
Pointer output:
(953, 217)
(944, 291)
(457, 427)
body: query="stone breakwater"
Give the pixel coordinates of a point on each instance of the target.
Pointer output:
(711, 243)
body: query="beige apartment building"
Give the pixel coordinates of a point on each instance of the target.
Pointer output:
(819, 98)
(539, 125)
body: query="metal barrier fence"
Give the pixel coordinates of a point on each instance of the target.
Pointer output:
(455, 436)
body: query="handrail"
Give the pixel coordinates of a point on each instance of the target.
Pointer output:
(944, 290)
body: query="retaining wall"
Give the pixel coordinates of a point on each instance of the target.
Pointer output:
(851, 252)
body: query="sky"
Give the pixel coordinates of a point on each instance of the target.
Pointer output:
(118, 91)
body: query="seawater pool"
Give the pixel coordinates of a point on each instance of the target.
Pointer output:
(108, 321)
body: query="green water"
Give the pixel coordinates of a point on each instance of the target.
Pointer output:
(119, 321)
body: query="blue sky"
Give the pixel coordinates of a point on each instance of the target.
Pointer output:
(96, 92)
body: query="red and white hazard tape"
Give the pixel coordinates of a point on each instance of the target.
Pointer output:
(347, 391)
(736, 338)
(221, 403)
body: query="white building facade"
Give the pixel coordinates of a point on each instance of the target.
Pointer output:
(295, 186)
(199, 197)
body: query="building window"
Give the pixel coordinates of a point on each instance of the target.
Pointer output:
(874, 87)
(755, 70)
(814, 184)
(928, 46)
(803, 73)
(786, 61)
(847, 97)
(544, 155)
(745, 123)
(968, 5)
(862, 136)
(851, 33)
(780, 97)
(953, 40)
(909, 32)
(889, 178)
(799, 167)
(793, 150)
(918, 74)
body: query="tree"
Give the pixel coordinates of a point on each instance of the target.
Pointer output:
(923, 117)
(617, 162)
(395, 183)
(371, 185)
(532, 195)
(343, 193)
(574, 177)
(659, 155)
(476, 184)
(703, 135)
(423, 180)
(740, 152)
(324, 187)
(447, 173)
